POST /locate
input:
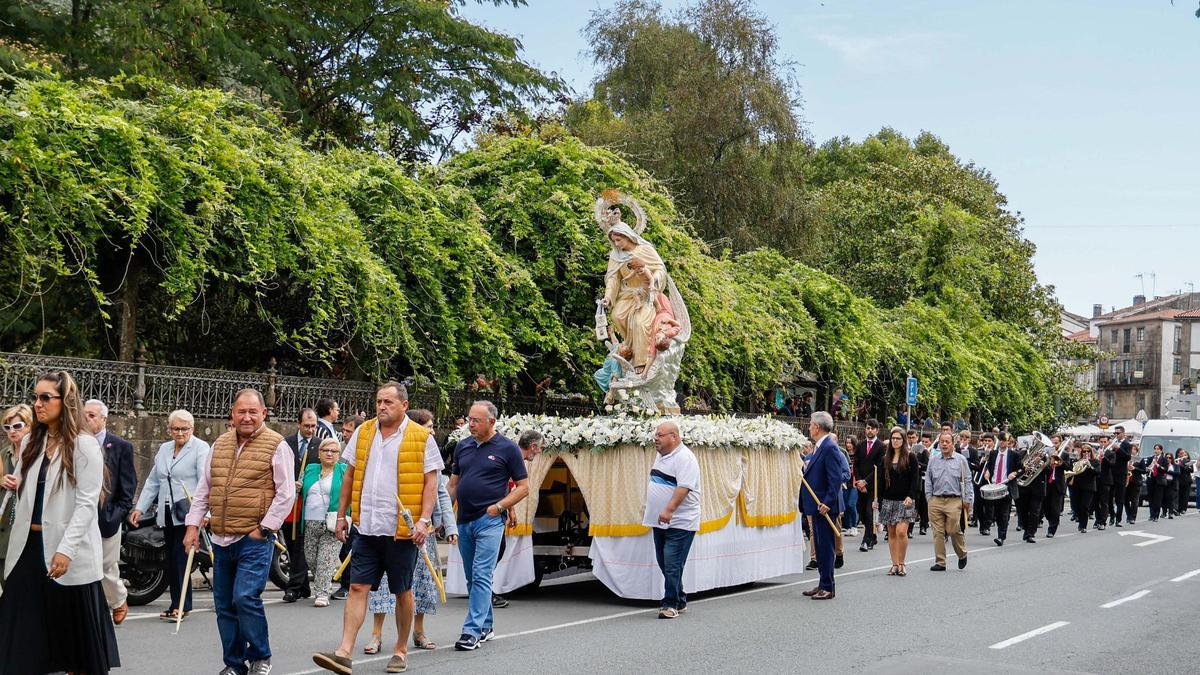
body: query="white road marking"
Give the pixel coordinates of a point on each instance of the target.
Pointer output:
(1031, 634)
(197, 610)
(1185, 577)
(1128, 598)
(1154, 538)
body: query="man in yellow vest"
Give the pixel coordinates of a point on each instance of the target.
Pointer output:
(248, 485)
(392, 472)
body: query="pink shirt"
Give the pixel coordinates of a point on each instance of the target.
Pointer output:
(282, 470)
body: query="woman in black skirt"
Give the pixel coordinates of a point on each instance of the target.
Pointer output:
(898, 490)
(53, 615)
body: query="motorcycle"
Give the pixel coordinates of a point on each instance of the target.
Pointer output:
(144, 561)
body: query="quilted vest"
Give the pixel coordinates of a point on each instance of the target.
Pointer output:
(242, 484)
(410, 470)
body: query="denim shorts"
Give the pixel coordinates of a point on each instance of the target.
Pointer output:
(372, 556)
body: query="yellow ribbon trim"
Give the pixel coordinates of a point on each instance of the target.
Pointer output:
(716, 523)
(769, 520)
(617, 530)
(521, 529)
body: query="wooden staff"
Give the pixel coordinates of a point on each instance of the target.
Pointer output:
(819, 503)
(337, 576)
(203, 532)
(297, 506)
(437, 576)
(187, 583)
(875, 500)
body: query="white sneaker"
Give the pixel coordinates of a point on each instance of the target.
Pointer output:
(321, 601)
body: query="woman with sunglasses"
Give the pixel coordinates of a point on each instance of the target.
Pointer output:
(321, 485)
(170, 484)
(1083, 484)
(899, 486)
(18, 420)
(53, 614)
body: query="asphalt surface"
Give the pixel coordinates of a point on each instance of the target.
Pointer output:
(1096, 603)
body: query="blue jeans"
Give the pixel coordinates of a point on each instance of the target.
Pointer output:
(671, 546)
(479, 544)
(850, 516)
(239, 576)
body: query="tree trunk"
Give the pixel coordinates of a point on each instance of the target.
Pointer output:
(129, 308)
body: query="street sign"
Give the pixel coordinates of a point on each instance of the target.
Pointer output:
(912, 391)
(1103, 422)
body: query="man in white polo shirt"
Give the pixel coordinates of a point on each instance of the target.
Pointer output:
(673, 510)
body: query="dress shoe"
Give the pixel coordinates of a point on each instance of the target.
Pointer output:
(962, 562)
(999, 541)
(862, 548)
(838, 562)
(922, 531)
(1118, 524)
(119, 613)
(1030, 540)
(937, 568)
(812, 591)
(986, 532)
(823, 595)
(289, 596)
(812, 565)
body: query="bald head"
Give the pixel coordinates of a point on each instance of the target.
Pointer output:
(666, 438)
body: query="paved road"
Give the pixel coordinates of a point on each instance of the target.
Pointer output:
(1097, 603)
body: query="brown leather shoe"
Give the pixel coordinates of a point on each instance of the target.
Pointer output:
(813, 591)
(120, 613)
(823, 595)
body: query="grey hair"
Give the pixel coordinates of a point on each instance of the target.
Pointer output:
(96, 401)
(823, 420)
(491, 408)
(529, 437)
(183, 416)
(248, 391)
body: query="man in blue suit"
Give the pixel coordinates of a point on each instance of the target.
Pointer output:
(824, 475)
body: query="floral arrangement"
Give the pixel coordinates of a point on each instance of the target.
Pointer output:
(567, 434)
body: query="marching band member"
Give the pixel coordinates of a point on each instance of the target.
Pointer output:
(984, 506)
(1029, 504)
(1083, 484)
(1156, 470)
(1056, 490)
(1003, 467)
(1104, 482)
(1133, 490)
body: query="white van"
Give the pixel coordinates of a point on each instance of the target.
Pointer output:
(1172, 434)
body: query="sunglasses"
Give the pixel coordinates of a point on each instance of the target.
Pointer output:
(44, 398)
(15, 426)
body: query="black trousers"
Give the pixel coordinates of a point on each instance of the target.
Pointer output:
(1118, 500)
(1185, 490)
(1052, 505)
(866, 516)
(923, 510)
(1103, 495)
(1156, 501)
(297, 565)
(1029, 509)
(1001, 510)
(1133, 498)
(1082, 500)
(1171, 498)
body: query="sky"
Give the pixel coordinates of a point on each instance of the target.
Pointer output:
(1087, 113)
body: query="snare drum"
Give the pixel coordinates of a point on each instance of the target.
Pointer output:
(993, 491)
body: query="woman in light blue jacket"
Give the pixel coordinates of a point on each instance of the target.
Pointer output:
(171, 482)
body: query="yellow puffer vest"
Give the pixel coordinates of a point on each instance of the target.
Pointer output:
(410, 470)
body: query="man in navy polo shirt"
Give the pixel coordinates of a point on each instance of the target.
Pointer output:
(484, 464)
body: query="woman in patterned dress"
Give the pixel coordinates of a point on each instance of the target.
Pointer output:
(900, 486)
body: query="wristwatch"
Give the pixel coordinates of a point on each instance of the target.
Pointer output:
(266, 533)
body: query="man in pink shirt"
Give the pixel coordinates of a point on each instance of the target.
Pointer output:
(248, 484)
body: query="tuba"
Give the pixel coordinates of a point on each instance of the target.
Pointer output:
(1036, 458)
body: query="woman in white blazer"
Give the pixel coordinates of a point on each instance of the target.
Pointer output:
(177, 468)
(53, 615)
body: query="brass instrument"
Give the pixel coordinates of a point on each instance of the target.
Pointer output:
(1036, 458)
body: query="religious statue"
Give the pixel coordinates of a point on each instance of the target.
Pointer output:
(648, 314)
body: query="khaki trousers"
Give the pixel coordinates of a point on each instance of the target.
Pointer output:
(114, 588)
(944, 515)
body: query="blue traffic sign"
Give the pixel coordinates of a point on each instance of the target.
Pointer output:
(912, 391)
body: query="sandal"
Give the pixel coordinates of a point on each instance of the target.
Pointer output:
(892, 571)
(373, 646)
(902, 572)
(421, 641)
(171, 615)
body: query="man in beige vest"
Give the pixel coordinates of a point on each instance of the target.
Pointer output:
(248, 485)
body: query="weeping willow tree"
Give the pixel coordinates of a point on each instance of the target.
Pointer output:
(196, 224)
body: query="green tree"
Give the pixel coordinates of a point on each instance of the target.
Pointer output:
(403, 76)
(703, 101)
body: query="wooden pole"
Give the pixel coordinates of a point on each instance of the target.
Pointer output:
(337, 576)
(187, 583)
(297, 507)
(437, 576)
(818, 501)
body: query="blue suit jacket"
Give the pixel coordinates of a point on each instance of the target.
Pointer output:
(824, 474)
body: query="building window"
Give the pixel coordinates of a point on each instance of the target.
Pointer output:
(1113, 368)
(1112, 401)
(1178, 336)
(1141, 334)
(1125, 366)
(1137, 366)
(1178, 366)
(1141, 401)
(1114, 336)
(1125, 344)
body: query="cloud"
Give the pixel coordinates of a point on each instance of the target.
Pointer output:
(889, 52)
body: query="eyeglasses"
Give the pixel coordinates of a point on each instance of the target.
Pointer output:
(180, 430)
(330, 452)
(44, 398)
(15, 426)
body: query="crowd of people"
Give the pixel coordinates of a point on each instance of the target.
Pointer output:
(362, 506)
(915, 480)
